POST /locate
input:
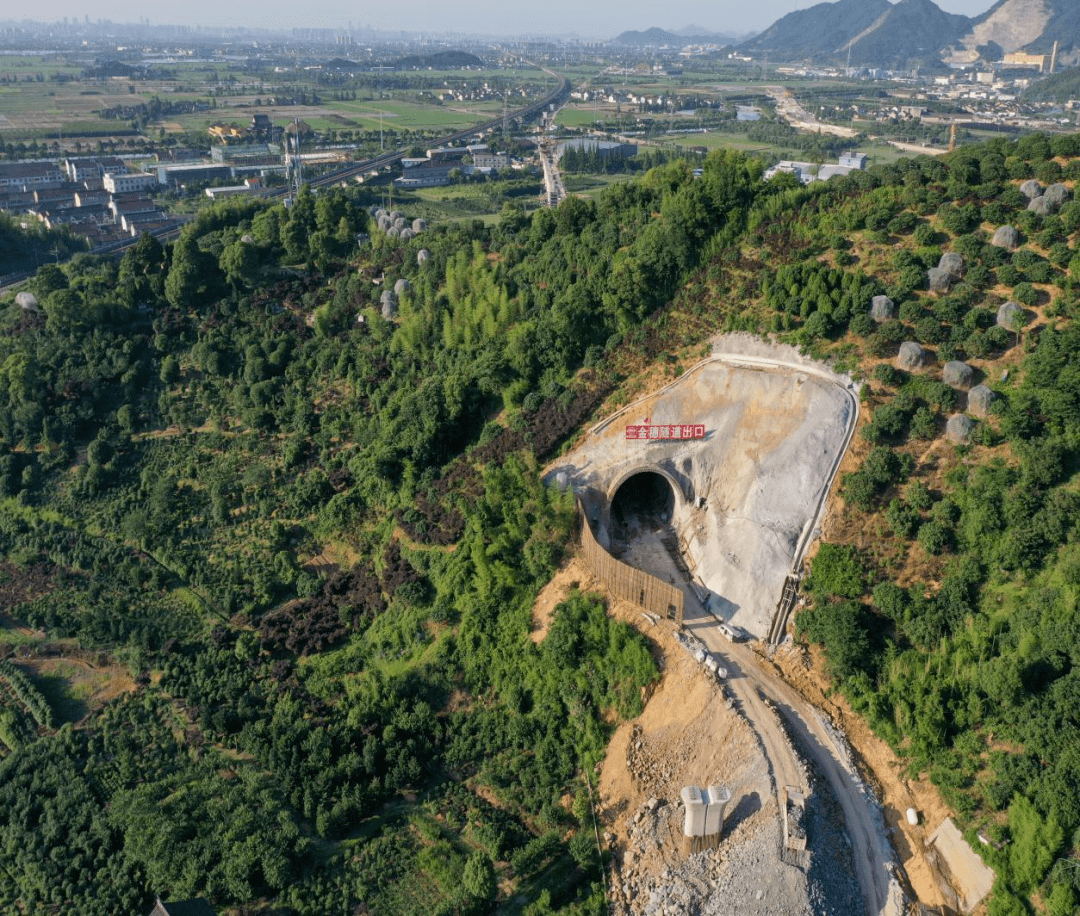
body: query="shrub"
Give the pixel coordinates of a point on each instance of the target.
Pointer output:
(935, 537)
(1025, 293)
(924, 235)
(889, 375)
(1008, 275)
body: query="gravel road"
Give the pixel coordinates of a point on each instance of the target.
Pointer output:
(875, 863)
(756, 689)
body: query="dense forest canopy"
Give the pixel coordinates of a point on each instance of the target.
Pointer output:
(314, 534)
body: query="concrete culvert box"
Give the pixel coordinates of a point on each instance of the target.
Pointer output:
(911, 355)
(718, 798)
(1056, 194)
(956, 374)
(1010, 314)
(882, 308)
(959, 428)
(1006, 237)
(953, 262)
(1041, 206)
(938, 279)
(695, 805)
(1031, 189)
(979, 399)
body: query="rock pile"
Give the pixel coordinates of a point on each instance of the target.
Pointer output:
(956, 374)
(882, 308)
(959, 429)
(396, 225)
(1009, 314)
(979, 399)
(911, 355)
(1006, 237)
(1031, 189)
(1050, 201)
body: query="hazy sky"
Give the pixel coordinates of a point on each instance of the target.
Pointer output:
(588, 20)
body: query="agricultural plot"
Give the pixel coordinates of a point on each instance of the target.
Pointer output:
(35, 110)
(400, 115)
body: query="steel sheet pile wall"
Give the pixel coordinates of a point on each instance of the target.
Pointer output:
(631, 584)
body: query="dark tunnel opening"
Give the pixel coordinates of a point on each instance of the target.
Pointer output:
(643, 502)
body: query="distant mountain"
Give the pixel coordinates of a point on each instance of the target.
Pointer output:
(443, 60)
(656, 37)
(690, 30)
(817, 32)
(910, 32)
(698, 32)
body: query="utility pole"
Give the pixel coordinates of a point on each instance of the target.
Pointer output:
(298, 163)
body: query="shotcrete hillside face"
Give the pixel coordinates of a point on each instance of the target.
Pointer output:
(750, 492)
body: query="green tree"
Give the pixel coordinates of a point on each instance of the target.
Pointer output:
(191, 275)
(478, 879)
(239, 263)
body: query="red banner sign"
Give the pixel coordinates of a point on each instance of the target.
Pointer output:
(666, 433)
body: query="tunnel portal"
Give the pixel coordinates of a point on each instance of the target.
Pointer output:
(645, 501)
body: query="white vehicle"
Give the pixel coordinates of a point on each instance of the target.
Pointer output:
(729, 633)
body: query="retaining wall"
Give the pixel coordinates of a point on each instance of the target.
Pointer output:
(629, 584)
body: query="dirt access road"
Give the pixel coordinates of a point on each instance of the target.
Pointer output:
(799, 118)
(752, 684)
(874, 859)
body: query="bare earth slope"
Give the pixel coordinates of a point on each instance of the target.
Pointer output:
(1011, 24)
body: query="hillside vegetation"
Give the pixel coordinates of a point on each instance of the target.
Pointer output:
(315, 534)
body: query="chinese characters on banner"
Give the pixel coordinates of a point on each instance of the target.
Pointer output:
(662, 433)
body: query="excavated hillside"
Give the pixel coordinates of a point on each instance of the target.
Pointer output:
(1012, 25)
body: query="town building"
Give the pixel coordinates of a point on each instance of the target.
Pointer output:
(123, 184)
(26, 176)
(853, 160)
(184, 173)
(94, 168)
(247, 154)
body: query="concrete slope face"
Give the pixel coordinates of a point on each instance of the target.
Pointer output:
(750, 493)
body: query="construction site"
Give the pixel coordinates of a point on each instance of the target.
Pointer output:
(733, 793)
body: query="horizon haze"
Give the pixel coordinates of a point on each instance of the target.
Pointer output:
(560, 17)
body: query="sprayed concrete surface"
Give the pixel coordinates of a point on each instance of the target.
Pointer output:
(970, 879)
(749, 496)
